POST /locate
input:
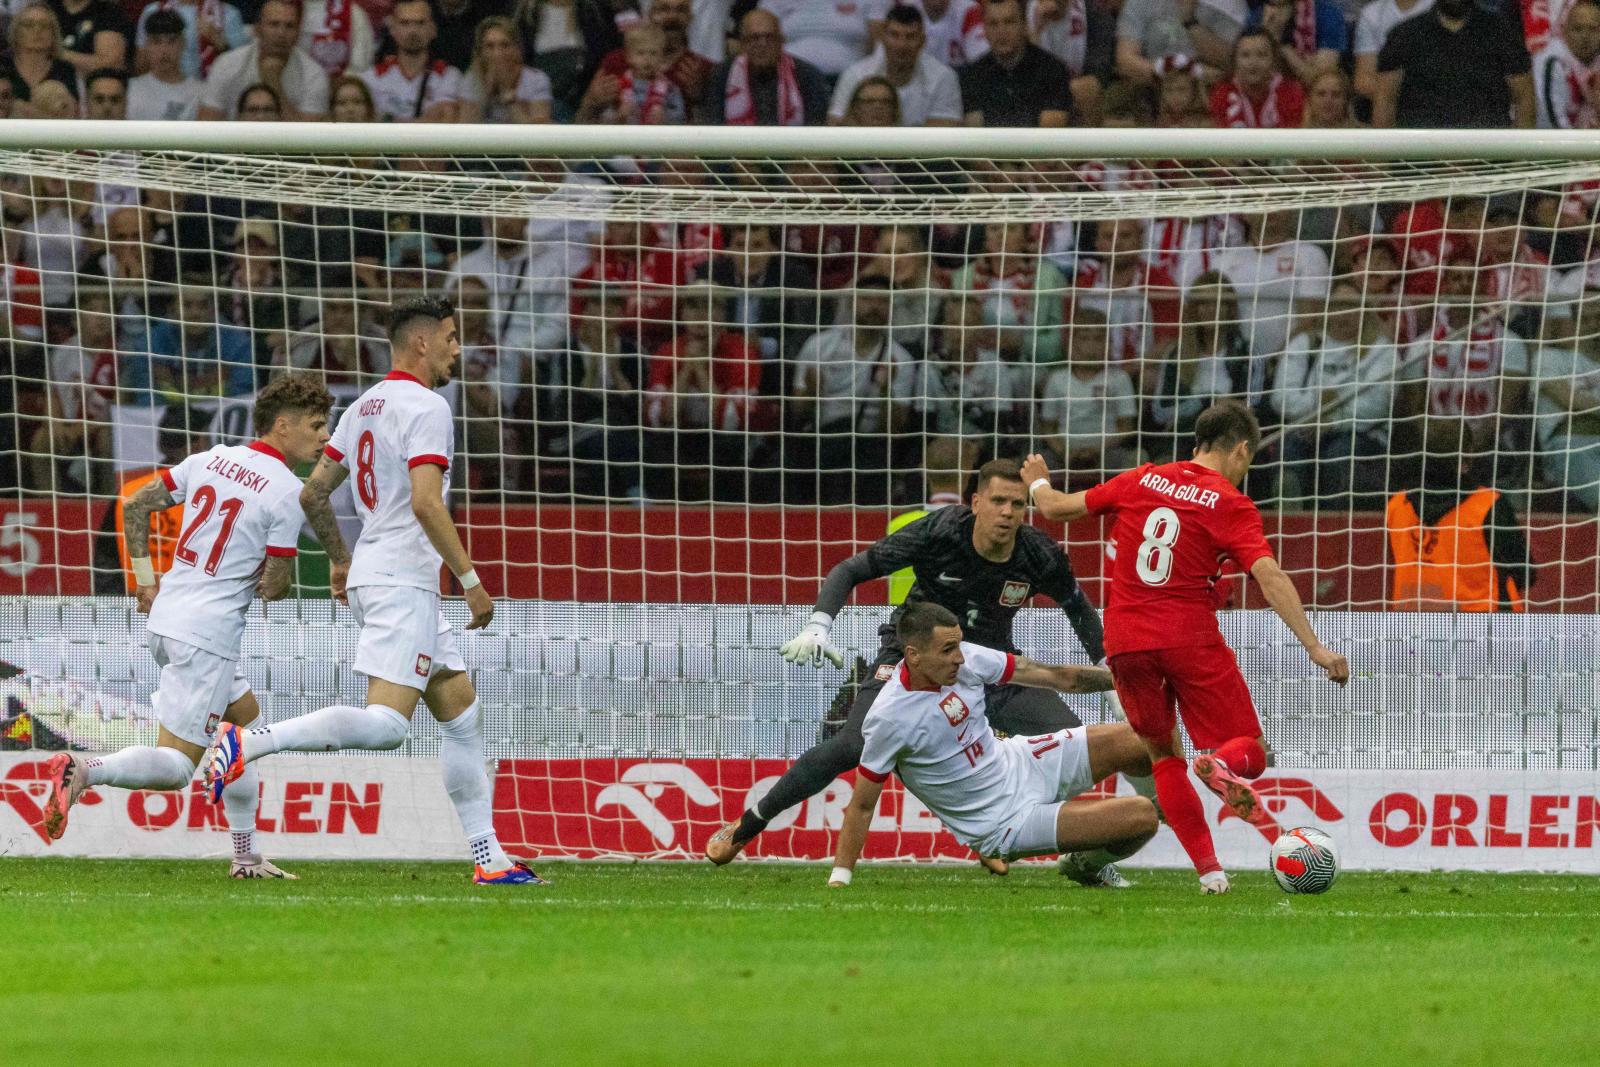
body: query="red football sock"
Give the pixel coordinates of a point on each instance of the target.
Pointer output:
(1180, 806)
(1244, 757)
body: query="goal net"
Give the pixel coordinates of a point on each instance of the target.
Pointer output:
(699, 370)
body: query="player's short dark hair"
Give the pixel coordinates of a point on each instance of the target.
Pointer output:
(904, 14)
(1009, 469)
(1223, 425)
(407, 314)
(919, 620)
(298, 391)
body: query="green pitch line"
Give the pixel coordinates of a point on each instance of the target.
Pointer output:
(162, 963)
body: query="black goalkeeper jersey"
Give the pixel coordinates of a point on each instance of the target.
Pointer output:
(983, 594)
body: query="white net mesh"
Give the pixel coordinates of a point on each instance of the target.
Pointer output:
(691, 385)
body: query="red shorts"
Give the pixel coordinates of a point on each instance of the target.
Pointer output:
(1202, 684)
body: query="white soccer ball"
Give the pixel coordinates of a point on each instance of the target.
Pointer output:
(1305, 860)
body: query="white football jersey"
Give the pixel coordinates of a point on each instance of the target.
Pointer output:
(241, 504)
(394, 426)
(398, 98)
(940, 743)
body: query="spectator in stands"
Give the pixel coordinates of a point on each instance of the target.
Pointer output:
(71, 450)
(1209, 353)
(137, 270)
(917, 285)
(1565, 378)
(1082, 34)
(1335, 393)
(349, 100)
(36, 55)
(493, 445)
(1329, 104)
(1308, 35)
(644, 95)
(94, 34)
(201, 355)
(955, 30)
(8, 99)
(1180, 97)
(1456, 66)
(105, 95)
(1482, 561)
(929, 92)
(595, 400)
(251, 281)
(764, 85)
(1090, 409)
(1114, 280)
(875, 102)
(211, 27)
(830, 36)
(683, 67)
(969, 389)
(164, 92)
(274, 59)
(1256, 95)
(259, 103)
(854, 393)
(500, 263)
(458, 22)
(1020, 292)
(1270, 276)
(416, 265)
(703, 401)
(50, 234)
(1147, 30)
(498, 87)
(771, 294)
(1565, 69)
(1470, 365)
(566, 39)
(1016, 83)
(410, 85)
(347, 348)
(1377, 19)
(338, 35)
(53, 100)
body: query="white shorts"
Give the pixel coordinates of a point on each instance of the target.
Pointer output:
(404, 638)
(194, 689)
(1049, 770)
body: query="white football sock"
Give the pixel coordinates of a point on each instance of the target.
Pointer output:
(337, 726)
(239, 800)
(466, 779)
(142, 767)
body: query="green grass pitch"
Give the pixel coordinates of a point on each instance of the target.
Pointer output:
(165, 962)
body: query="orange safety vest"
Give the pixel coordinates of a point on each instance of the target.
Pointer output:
(165, 526)
(1447, 566)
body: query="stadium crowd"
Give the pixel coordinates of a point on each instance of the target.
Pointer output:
(658, 362)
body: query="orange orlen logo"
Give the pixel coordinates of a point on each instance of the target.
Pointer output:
(1013, 594)
(955, 709)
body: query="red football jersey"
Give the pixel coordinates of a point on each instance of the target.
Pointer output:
(1175, 526)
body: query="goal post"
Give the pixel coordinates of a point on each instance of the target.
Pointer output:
(703, 365)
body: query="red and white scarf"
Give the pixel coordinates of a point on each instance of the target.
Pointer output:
(1305, 27)
(739, 104)
(1242, 113)
(205, 11)
(330, 45)
(652, 111)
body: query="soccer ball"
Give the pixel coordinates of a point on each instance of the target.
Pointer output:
(1305, 860)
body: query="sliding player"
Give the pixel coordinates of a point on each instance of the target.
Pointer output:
(999, 798)
(1174, 525)
(241, 507)
(982, 563)
(397, 438)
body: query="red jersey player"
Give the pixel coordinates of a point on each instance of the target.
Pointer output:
(1175, 525)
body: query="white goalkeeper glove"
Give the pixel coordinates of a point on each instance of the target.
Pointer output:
(811, 645)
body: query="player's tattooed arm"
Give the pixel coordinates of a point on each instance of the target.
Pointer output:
(277, 578)
(316, 501)
(136, 514)
(853, 835)
(1063, 679)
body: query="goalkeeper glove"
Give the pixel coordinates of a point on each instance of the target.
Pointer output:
(811, 645)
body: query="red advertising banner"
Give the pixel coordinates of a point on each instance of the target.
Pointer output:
(47, 545)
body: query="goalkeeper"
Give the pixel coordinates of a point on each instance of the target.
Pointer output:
(982, 563)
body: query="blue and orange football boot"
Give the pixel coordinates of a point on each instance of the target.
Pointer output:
(224, 760)
(518, 873)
